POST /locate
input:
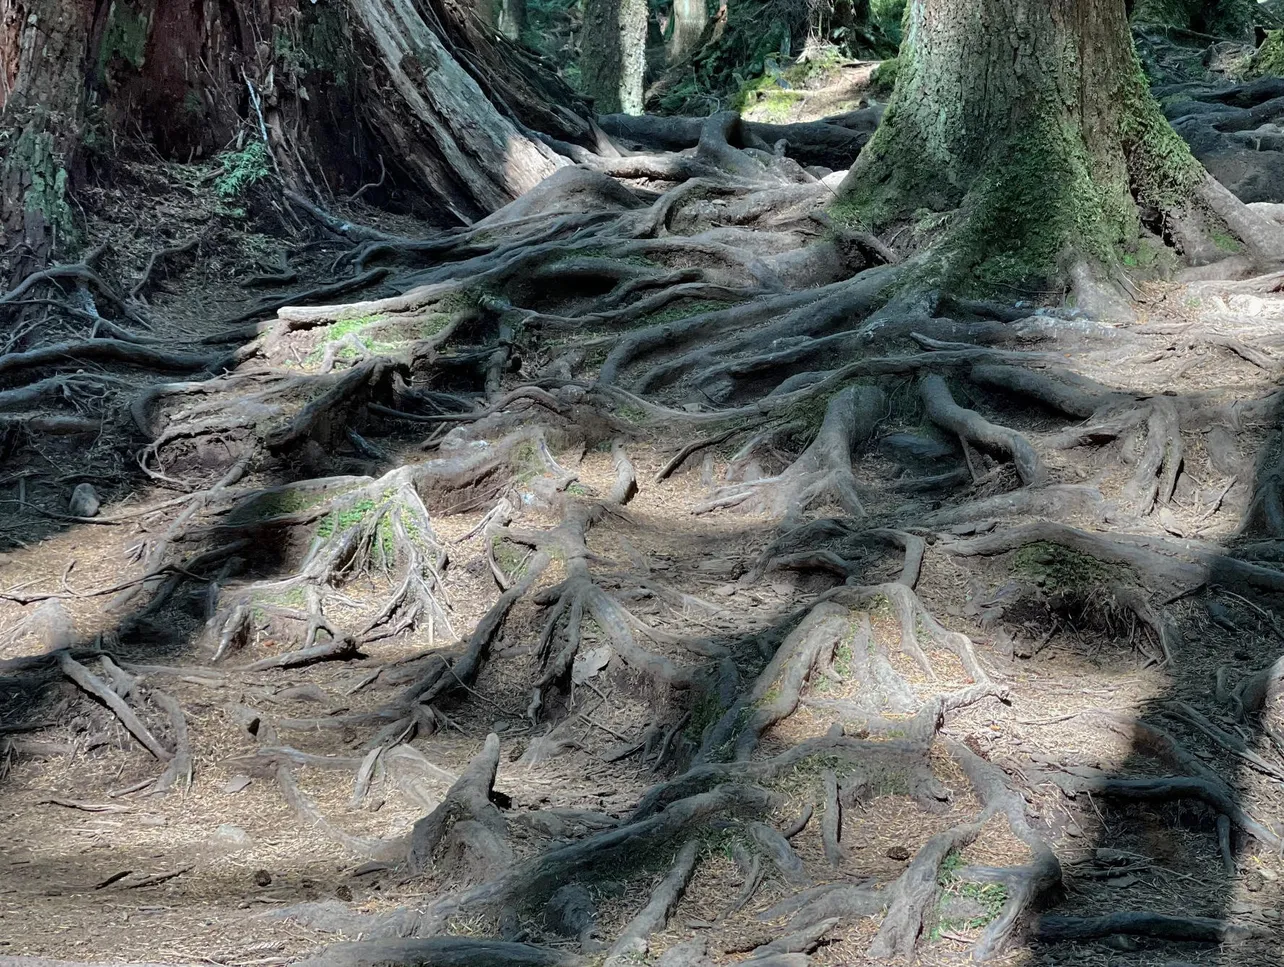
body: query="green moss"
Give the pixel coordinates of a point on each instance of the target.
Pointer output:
(684, 309)
(526, 462)
(1058, 568)
(772, 96)
(1269, 59)
(33, 159)
(1162, 170)
(124, 37)
(1226, 242)
(883, 80)
(276, 504)
(704, 714)
(511, 561)
(1044, 199)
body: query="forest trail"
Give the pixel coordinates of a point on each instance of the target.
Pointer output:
(956, 580)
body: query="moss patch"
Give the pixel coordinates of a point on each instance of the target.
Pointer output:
(124, 37)
(1269, 59)
(1059, 568)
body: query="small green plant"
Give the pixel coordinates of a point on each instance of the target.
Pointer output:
(342, 520)
(241, 170)
(987, 898)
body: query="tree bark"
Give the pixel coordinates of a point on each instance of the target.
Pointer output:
(43, 47)
(337, 90)
(689, 19)
(1032, 120)
(613, 54)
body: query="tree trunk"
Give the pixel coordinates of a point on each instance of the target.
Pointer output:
(43, 49)
(438, 124)
(613, 54)
(511, 18)
(689, 19)
(1032, 119)
(338, 91)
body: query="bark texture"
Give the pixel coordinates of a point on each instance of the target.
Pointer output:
(334, 91)
(42, 62)
(613, 57)
(1031, 116)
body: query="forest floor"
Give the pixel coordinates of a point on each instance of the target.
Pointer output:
(1119, 624)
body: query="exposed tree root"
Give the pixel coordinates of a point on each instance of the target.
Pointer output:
(480, 372)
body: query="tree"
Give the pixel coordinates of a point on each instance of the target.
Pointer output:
(333, 91)
(1032, 124)
(689, 19)
(613, 54)
(704, 297)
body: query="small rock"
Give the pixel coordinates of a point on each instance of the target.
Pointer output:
(1121, 882)
(343, 892)
(262, 878)
(5, 559)
(84, 501)
(725, 590)
(236, 784)
(1075, 830)
(231, 837)
(898, 853)
(1254, 882)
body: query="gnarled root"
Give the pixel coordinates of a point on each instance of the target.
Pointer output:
(823, 471)
(466, 825)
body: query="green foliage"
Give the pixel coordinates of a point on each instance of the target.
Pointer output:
(1269, 59)
(241, 170)
(684, 309)
(889, 17)
(342, 520)
(989, 897)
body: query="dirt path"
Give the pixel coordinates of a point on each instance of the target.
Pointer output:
(984, 595)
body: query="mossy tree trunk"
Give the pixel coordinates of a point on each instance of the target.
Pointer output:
(43, 48)
(613, 54)
(1030, 122)
(1232, 19)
